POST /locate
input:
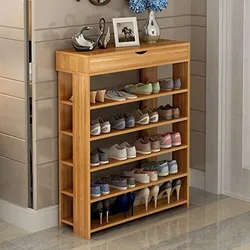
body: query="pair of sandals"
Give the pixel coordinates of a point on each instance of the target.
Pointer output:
(119, 96)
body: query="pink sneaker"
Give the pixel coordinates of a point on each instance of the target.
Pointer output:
(165, 140)
(176, 139)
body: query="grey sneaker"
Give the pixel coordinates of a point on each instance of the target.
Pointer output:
(161, 167)
(177, 84)
(173, 167)
(130, 180)
(141, 118)
(167, 85)
(103, 156)
(117, 123)
(94, 159)
(117, 152)
(130, 120)
(142, 147)
(116, 182)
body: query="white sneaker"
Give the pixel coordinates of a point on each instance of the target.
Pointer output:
(118, 153)
(131, 150)
(151, 173)
(95, 129)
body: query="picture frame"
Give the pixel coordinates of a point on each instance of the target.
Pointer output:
(126, 32)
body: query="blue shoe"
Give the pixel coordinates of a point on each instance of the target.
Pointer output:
(104, 187)
(161, 167)
(120, 205)
(173, 167)
(95, 190)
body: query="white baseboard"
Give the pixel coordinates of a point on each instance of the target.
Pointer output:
(197, 178)
(29, 219)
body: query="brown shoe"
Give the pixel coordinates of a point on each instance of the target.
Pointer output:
(142, 147)
(155, 144)
(175, 111)
(165, 113)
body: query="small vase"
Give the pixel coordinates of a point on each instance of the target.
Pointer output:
(151, 32)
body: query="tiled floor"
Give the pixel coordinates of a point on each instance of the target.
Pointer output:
(212, 222)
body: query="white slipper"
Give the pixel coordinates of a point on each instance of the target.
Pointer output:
(111, 95)
(125, 94)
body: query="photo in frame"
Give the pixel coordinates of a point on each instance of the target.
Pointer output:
(126, 32)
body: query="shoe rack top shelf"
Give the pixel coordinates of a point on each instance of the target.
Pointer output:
(113, 59)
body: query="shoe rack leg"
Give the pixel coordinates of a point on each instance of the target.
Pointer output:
(81, 155)
(182, 71)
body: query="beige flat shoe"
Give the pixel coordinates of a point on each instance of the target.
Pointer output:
(93, 96)
(100, 95)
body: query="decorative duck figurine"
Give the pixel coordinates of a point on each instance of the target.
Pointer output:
(82, 43)
(103, 39)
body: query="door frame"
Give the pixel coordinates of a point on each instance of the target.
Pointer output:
(216, 89)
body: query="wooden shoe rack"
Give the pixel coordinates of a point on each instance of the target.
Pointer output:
(74, 76)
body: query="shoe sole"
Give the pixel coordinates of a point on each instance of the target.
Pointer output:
(118, 159)
(131, 186)
(105, 193)
(94, 165)
(174, 172)
(156, 179)
(176, 144)
(95, 195)
(104, 162)
(106, 132)
(119, 188)
(132, 157)
(162, 175)
(166, 146)
(166, 89)
(155, 151)
(143, 153)
(95, 134)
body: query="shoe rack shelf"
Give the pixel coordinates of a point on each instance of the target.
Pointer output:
(74, 78)
(139, 212)
(129, 130)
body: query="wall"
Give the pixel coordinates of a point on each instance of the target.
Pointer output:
(13, 148)
(198, 84)
(55, 31)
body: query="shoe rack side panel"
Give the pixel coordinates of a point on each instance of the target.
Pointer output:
(81, 154)
(182, 71)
